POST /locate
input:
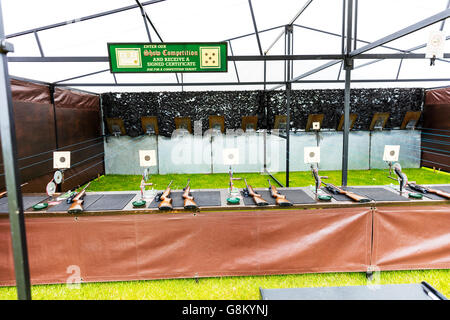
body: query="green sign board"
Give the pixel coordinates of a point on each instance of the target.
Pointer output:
(167, 57)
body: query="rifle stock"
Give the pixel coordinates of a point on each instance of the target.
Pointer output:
(279, 198)
(189, 202)
(439, 193)
(257, 198)
(166, 201)
(77, 204)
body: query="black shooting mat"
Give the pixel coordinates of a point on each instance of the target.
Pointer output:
(378, 194)
(28, 201)
(116, 201)
(64, 206)
(414, 291)
(442, 188)
(201, 198)
(294, 196)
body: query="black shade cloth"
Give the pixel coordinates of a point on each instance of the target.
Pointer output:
(379, 292)
(111, 202)
(64, 206)
(378, 194)
(294, 196)
(201, 198)
(28, 201)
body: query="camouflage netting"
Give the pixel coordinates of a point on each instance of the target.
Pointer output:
(235, 104)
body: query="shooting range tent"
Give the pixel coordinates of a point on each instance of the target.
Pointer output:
(272, 46)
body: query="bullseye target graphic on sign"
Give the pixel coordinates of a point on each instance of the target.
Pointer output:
(210, 57)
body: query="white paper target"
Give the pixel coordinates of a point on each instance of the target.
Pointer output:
(58, 177)
(435, 45)
(230, 156)
(147, 158)
(316, 125)
(391, 152)
(311, 154)
(61, 159)
(51, 188)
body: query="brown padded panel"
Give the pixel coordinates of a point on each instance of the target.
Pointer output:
(411, 238)
(30, 92)
(35, 133)
(438, 96)
(155, 246)
(65, 98)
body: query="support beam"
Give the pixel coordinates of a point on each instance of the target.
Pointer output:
(409, 55)
(82, 76)
(144, 17)
(246, 83)
(348, 66)
(94, 16)
(234, 62)
(254, 26)
(12, 177)
(39, 44)
(288, 77)
(403, 32)
(289, 24)
(239, 58)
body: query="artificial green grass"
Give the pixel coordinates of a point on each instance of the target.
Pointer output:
(240, 287)
(296, 179)
(245, 288)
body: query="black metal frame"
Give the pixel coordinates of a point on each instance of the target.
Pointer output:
(349, 53)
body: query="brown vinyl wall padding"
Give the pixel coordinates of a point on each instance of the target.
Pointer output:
(77, 119)
(411, 238)
(436, 121)
(155, 246)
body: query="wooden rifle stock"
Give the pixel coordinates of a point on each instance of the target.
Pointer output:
(279, 198)
(257, 198)
(439, 193)
(77, 204)
(351, 195)
(166, 201)
(189, 202)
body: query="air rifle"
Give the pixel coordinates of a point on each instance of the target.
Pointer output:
(189, 202)
(279, 198)
(4, 193)
(355, 197)
(249, 192)
(423, 189)
(77, 201)
(164, 197)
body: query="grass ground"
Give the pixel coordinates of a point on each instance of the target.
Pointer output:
(296, 179)
(239, 287)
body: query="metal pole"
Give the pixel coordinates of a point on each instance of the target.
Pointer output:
(256, 28)
(94, 16)
(145, 21)
(12, 177)
(234, 62)
(39, 44)
(289, 30)
(348, 65)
